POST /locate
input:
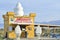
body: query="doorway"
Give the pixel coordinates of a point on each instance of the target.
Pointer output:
(24, 32)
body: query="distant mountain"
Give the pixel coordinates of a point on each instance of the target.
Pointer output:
(57, 22)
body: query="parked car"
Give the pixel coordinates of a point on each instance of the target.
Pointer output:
(52, 35)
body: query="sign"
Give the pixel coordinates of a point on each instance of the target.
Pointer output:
(22, 20)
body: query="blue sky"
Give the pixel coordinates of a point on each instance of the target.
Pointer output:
(46, 10)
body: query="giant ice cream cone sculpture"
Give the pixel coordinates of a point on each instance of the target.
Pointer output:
(38, 31)
(18, 32)
(19, 10)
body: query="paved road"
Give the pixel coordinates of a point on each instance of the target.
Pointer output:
(40, 39)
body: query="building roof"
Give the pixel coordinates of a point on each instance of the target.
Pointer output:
(38, 23)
